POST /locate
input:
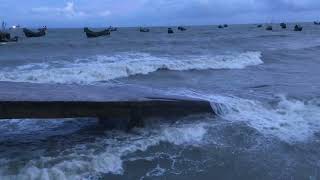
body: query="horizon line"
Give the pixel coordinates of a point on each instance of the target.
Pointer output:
(163, 26)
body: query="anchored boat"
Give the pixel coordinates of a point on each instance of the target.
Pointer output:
(181, 28)
(111, 29)
(170, 31)
(269, 28)
(298, 28)
(283, 25)
(144, 29)
(92, 34)
(6, 37)
(41, 32)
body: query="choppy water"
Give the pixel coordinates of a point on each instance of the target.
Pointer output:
(266, 82)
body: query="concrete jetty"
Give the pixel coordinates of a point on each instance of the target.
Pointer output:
(113, 105)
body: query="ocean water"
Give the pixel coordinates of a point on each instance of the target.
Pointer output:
(266, 83)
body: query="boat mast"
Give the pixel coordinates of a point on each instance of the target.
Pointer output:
(3, 26)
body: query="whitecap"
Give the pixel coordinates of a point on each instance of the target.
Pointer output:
(103, 68)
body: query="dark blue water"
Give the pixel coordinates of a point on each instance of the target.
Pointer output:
(266, 82)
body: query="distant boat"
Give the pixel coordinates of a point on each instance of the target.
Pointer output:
(225, 25)
(92, 34)
(220, 26)
(170, 31)
(6, 37)
(283, 25)
(269, 28)
(41, 32)
(14, 27)
(112, 28)
(181, 28)
(144, 29)
(298, 28)
(316, 23)
(259, 26)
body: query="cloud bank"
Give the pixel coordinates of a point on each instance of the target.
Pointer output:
(156, 12)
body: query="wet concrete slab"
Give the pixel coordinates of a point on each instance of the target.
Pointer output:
(130, 104)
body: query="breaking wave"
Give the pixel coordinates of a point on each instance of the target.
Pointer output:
(290, 120)
(105, 155)
(103, 68)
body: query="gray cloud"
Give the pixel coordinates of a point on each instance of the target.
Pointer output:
(157, 12)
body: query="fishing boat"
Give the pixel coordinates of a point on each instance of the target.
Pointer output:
(14, 27)
(142, 29)
(29, 33)
(181, 28)
(269, 28)
(170, 31)
(112, 29)
(6, 37)
(298, 28)
(92, 34)
(283, 25)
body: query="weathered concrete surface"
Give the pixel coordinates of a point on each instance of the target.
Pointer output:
(128, 103)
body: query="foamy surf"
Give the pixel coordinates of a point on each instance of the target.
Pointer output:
(103, 68)
(290, 120)
(105, 155)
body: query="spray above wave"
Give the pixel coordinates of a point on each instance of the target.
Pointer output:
(103, 68)
(288, 119)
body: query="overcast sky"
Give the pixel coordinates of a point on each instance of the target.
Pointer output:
(78, 13)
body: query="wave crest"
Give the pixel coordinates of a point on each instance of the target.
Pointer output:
(290, 120)
(103, 68)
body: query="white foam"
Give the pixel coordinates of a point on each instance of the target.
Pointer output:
(105, 155)
(102, 68)
(289, 120)
(158, 171)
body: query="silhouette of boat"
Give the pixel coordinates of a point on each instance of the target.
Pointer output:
(92, 34)
(41, 32)
(144, 29)
(269, 28)
(170, 31)
(283, 25)
(181, 28)
(6, 37)
(112, 29)
(298, 28)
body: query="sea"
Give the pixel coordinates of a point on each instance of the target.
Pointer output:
(267, 85)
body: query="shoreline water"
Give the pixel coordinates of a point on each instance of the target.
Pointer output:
(266, 85)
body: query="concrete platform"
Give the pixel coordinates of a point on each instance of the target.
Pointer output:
(125, 104)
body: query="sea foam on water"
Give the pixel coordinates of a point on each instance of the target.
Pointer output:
(103, 68)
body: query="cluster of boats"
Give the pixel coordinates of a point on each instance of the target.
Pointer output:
(223, 26)
(283, 26)
(107, 32)
(6, 37)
